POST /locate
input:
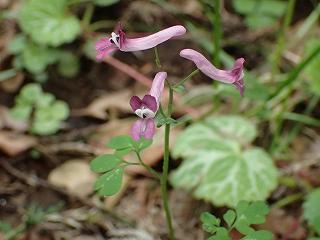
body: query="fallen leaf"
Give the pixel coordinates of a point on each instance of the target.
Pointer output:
(114, 101)
(13, 143)
(12, 84)
(75, 176)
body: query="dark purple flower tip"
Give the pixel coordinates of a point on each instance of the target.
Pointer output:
(150, 102)
(143, 128)
(237, 72)
(135, 103)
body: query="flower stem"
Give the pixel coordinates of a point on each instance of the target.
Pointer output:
(157, 58)
(164, 178)
(217, 32)
(150, 169)
(281, 38)
(194, 72)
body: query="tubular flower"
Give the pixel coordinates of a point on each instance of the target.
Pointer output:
(119, 41)
(231, 76)
(146, 108)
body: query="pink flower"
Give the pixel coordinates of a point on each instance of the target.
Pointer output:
(146, 108)
(232, 76)
(119, 41)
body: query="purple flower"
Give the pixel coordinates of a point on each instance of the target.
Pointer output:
(119, 41)
(146, 108)
(232, 76)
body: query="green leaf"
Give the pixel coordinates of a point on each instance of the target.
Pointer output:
(109, 183)
(244, 6)
(69, 64)
(105, 163)
(142, 144)
(59, 110)
(217, 169)
(121, 142)
(209, 222)
(311, 209)
(45, 126)
(30, 93)
(260, 13)
(17, 45)
(229, 217)
(248, 214)
(21, 112)
(208, 135)
(48, 22)
(46, 100)
(261, 235)
(221, 234)
(105, 3)
(256, 21)
(36, 58)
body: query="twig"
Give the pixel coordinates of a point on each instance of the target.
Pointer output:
(128, 70)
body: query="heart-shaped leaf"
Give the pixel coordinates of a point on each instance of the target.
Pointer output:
(217, 169)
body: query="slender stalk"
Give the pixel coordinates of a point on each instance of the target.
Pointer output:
(149, 169)
(281, 38)
(194, 72)
(164, 178)
(87, 16)
(101, 24)
(217, 32)
(288, 200)
(157, 58)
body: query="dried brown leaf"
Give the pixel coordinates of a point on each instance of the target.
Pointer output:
(13, 143)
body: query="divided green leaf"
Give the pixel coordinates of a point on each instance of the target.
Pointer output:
(48, 22)
(209, 222)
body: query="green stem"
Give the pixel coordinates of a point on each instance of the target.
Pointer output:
(164, 178)
(296, 129)
(194, 72)
(287, 200)
(150, 169)
(101, 24)
(281, 38)
(217, 32)
(87, 15)
(293, 75)
(157, 59)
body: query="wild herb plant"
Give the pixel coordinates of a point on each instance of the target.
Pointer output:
(240, 219)
(41, 111)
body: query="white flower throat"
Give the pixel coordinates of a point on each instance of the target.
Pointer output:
(115, 38)
(145, 113)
